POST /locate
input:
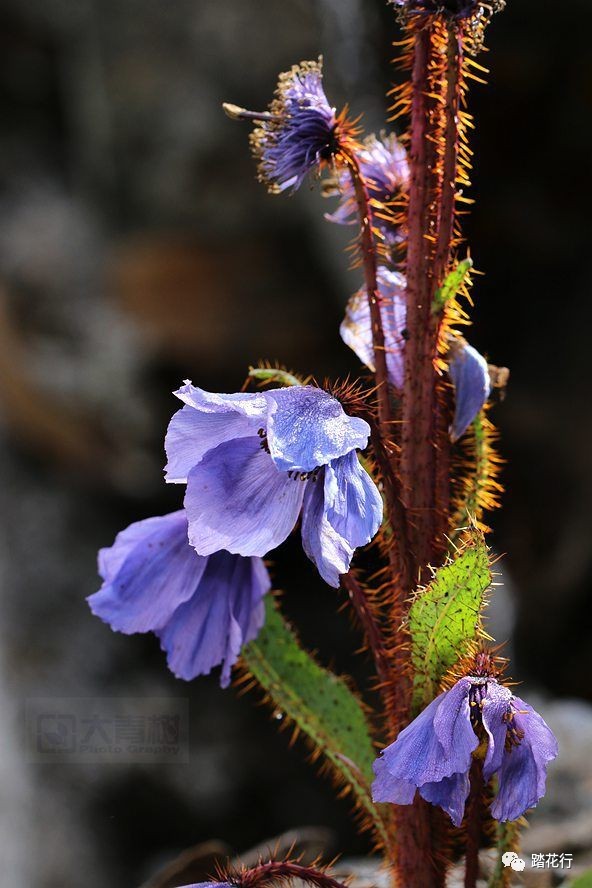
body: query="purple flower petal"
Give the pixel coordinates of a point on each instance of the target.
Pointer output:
(353, 504)
(523, 774)
(470, 376)
(226, 613)
(207, 420)
(208, 885)
(495, 708)
(324, 546)
(307, 428)
(356, 328)
(452, 721)
(387, 788)
(237, 500)
(450, 794)
(384, 166)
(420, 757)
(149, 571)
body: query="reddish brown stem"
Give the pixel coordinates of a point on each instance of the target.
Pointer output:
(399, 549)
(276, 870)
(370, 626)
(444, 414)
(474, 824)
(417, 443)
(450, 161)
(370, 264)
(418, 866)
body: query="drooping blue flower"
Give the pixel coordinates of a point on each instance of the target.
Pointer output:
(203, 609)
(433, 754)
(301, 132)
(385, 168)
(467, 368)
(356, 327)
(472, 385)
(254, 462)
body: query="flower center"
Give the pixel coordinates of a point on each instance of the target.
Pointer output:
(263, 435)
(293, 474)
(304, 476)
(514, 734)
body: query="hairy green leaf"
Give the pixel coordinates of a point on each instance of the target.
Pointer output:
(273, 374)
(445, 617)
(318, 703)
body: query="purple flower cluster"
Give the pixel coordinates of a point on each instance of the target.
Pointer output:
(252, 463)
(433, 755)
(467, 368)
(301, 132)
(385, 168)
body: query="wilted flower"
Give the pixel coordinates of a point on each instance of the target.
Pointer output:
(457, 9)
(203, 609)
(433, 754)
(472, 386)
(356, 327)
(467, 368)
(385, 168)
(253, 462)
(301, 132)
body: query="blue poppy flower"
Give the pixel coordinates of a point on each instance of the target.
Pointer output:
(433, 755)
(254, 462)
(385, 168)
(203, 609)
(301, 132)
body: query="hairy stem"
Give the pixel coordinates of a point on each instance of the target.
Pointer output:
(370, 264)
(276, 870)
(418, 865)
(369, 623)
(450, 161)
(417, 444)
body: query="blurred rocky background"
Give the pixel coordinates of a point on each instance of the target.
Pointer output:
(137, 249)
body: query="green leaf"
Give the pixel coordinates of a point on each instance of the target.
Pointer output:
(583, 881)
(445, 617)
(451, 285)
(318, 703)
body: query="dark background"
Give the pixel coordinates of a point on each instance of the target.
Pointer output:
(137, 249)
